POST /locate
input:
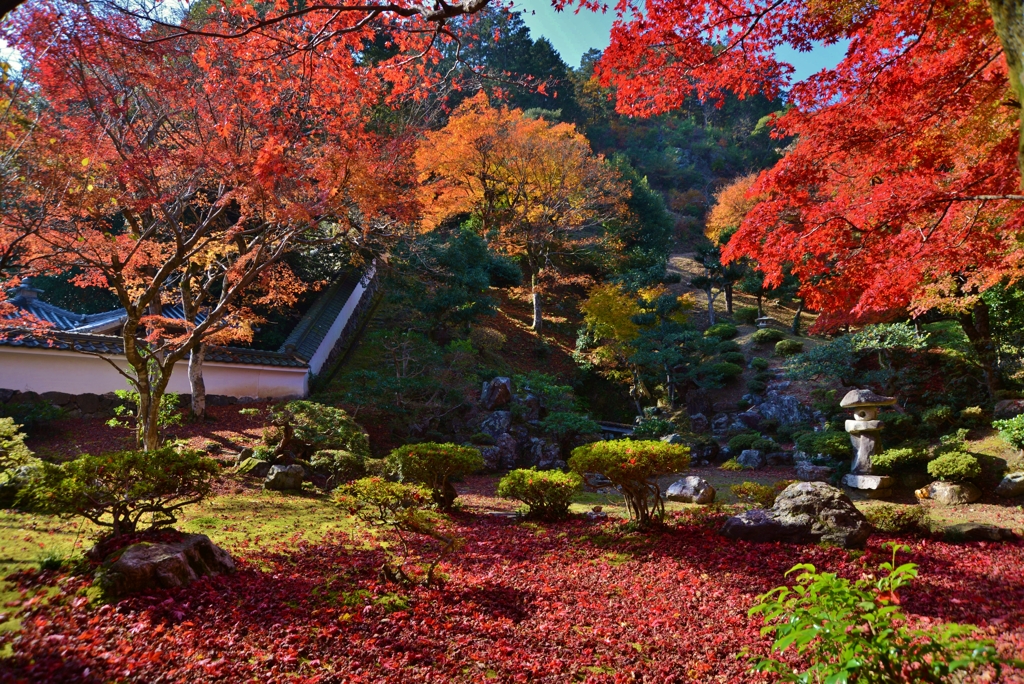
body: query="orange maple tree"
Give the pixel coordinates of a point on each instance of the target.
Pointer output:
(536, 187)
(188, 169)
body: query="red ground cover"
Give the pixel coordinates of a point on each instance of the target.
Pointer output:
(576, 601)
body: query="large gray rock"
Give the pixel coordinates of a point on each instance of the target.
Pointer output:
(163, 565)
(808, 472)
(1011, 486)
(674, 438)
(784, 408)
(971, 532)
(497, 424)
(951, 493)
(1008, 408)
(253, 466)
(699, 423)
(804, 513)
(777, 458)
(751, 458)
(550, 458)
(854, 481)
(720, 423)
(691, 489)
(501, 456)
(496, 393)
(749, 419)
(284, 478)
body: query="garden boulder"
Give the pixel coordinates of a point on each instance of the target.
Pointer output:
(496, 393)
(501, 456)
(1008, 408)
(699, 423)
(284, 478)
(950, 493)
(674, 438)
(784, 408)
(1011, 486)
(691, 489)
(972, 532)
(497, 424)
(148, 566)
(808, 472)
(751, 458)
(804, 513)
(253, 466)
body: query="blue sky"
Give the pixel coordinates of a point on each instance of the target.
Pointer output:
(574, 34)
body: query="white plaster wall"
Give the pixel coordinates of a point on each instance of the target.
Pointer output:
(53, 370)
(324, 350)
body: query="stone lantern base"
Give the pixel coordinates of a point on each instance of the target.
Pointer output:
(875, 486)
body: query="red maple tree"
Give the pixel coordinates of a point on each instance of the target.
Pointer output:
(900, 191)
(187, 169)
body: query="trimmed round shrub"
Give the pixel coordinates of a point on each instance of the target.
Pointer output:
(937, 416)
(13, 452)
(1012, 430)
(751, 440)
(955, 466)
(726, 331)
(972, 416)
(899, 460)
(767, 336)
(547, 493)
(896, 519)
(832, 444)
(760, 363)
(719, 373)
(734, 357)
(746, 315)
(263, 452)
(755, 494)
(435, 466)
(726, 346)
(632, 465)
(482, 439)
(653, 428)
(897, 427)
(732, 465)
(487, 339)
(788, 347)
(756, 386)
(339, 465)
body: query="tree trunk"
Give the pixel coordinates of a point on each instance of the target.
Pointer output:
(1008, 18)
(538, 319)
(978, 330)
(728, 298)
(149, 420)
(196, 383)
(711, 307)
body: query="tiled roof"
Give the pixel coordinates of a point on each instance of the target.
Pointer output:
(112, 344)
(306, 337)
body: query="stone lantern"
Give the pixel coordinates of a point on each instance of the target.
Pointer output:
(865, 434)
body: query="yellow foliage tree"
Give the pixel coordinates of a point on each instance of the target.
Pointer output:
(539, 191)
(731, 206)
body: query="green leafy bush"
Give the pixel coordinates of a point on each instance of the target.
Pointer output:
(318, 427)
(1012, 430)
(13, 452)
(263, 452)
(755, 494)
(830, 443)
(734, 357)
(403, 508)
(756, 386)
(751, 440)
(169, 414)
(896, 519)
(788, 347)
(725, 331)
(547, 494)
(972, 416)
(760, 363)
(850, 631)
(898, 427)
(731, 465)
(116, 490)
(893, 461)
(482, 439)
(955, 466)
(435, 466)
(566, 425)
(653, 427)
(767, 336)
(727, 346)
(746, 315)
(32, 416)
(339, 465)
(937, 416)
(632, 466)
(718, 374)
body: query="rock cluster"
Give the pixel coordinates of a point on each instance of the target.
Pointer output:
(691, 489)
